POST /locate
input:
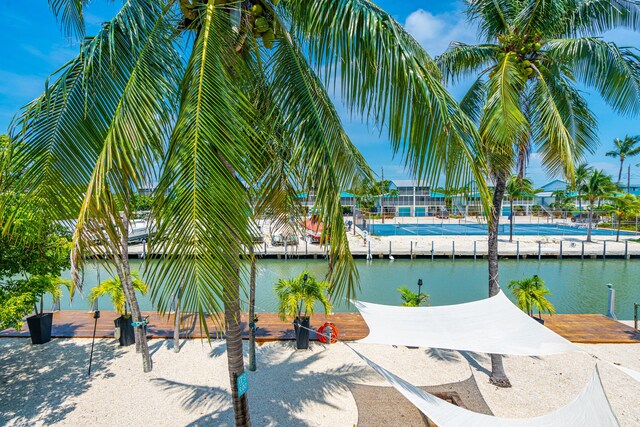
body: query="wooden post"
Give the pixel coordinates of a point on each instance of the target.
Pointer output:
(604, 250)
(369, 250)
(265, 247)
(475, 252)
(285, 249)
(626, 249)
(389, 247)
(411, 250)
(582, 251)
(453, 249)
(306, 247)
(560, 249)
(432, 253)
(518, 250)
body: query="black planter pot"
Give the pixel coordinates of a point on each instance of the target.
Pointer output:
(127, 336)
(301, 326)
(40, 328)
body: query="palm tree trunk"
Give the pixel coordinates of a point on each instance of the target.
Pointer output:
(252, 312)
(589, 221)
(177, 322)
(142, 346)
(620, 171)
(235, 359)
(510, 220)
(498, 375)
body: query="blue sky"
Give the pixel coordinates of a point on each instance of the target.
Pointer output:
(32, 47)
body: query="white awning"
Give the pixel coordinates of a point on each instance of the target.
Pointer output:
(590, 408)
(493, 325)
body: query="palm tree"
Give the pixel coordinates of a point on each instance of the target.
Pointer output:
(113, 289)
(598, 186)
(625, 148)
(249, 87)
(412, 299)
(624, 206)
(581, 175)
(531, 293)
(517, 188)
(524, 96)
(297, 297)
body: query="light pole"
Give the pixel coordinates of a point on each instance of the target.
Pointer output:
(419, 289)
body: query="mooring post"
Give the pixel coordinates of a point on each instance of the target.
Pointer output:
(560, 249)
(432, 250)
(453, 249)
(389, 247)
(612, 301)
(604, 250)
(369, 250)
(411, 250)
(285, 249)
(475, 252)
(265, 247)
(144, 249)
(518, 250)
(582, 251)
(626, 249)
(539, 251)
(306, 247)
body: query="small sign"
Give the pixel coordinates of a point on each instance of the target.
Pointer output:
(243, 384)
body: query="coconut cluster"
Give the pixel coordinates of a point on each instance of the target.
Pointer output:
(262, 23)
(527, 49)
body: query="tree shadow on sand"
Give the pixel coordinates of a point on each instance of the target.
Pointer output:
(279, 390)
(37, 382)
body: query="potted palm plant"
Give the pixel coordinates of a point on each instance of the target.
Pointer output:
(113, 289)
(297, 298)
(33, 289)
(531, 293)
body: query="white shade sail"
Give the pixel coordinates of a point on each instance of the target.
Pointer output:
(590, 408)
(493, 325)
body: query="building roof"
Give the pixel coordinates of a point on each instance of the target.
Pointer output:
(556, 184)
(407, 183)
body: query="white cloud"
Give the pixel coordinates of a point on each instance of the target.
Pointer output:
(436, 32)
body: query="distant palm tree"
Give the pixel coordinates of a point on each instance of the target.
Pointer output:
(518, 188)
(531, 293)
(622, 207)
(582, 173)
(625, 148)
(525, 96)
(598, 186)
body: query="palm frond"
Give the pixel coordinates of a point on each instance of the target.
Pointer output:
(472, 103)
(503, 123)
(613, 71)
(320, 150)
(494, 16)
(203, 209)
(71, 15)
(388, 78)
(595, 17)
(461, 60)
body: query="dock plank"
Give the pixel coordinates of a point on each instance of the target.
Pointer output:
(578, 328)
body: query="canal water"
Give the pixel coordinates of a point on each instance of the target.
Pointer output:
(577, 286)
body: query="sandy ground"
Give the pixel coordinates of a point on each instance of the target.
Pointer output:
(48, 385)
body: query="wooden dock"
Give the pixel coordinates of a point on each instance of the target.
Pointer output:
(578, 328)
